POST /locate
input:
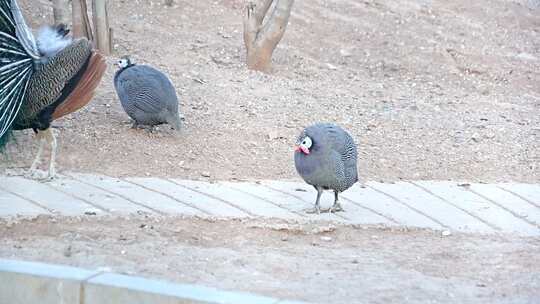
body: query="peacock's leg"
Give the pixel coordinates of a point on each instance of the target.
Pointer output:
(37, 160)
(51, 139)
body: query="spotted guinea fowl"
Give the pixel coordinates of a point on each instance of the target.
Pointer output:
(325, 157)
(146, 94)
(42, 80)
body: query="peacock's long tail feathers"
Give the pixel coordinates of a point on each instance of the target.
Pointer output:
(16, 68)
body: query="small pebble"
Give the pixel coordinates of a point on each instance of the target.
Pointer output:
(345, 53)
(480, 285)
(68, 251)
(326, 238)
(331, 66)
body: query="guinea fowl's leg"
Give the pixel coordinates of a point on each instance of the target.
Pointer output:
(32, 171)
(317, 208)
(336, 207)
(51, 139)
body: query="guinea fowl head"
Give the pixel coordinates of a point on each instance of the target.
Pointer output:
(304, 145)
(124, 62)
(313, 140)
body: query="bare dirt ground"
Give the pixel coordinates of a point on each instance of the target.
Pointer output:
(429, 89)
(319, 263)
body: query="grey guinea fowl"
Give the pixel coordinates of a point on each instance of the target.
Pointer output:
(325, 157)
(146, 94)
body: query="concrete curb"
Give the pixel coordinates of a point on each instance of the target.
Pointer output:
(32, 282)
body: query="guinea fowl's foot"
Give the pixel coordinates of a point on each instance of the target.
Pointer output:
(314, 210)
(148, 129)
(317, 208)
(335, 208)
(176, 123)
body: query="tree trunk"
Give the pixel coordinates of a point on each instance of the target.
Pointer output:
(261, 39)
(101, 26)
(81, 23)
(59, 11)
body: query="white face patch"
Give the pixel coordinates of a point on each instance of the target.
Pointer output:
(306, 143)
(122, 63)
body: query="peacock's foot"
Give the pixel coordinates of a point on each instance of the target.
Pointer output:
(33, 171)
(31, 174)
(52, 173)
(36, 174)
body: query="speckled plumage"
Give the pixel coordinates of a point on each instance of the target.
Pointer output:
(147, 95)
(332, 161)
(49, 81)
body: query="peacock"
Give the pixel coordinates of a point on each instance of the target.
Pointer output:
(42, 79)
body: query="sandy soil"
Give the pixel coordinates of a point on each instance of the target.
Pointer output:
(320, 262)
(429, 89)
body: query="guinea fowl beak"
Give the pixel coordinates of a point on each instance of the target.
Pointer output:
(301, 149)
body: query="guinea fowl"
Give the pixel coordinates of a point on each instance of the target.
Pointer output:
(146, 94)
(43, 80)
(325, 157)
